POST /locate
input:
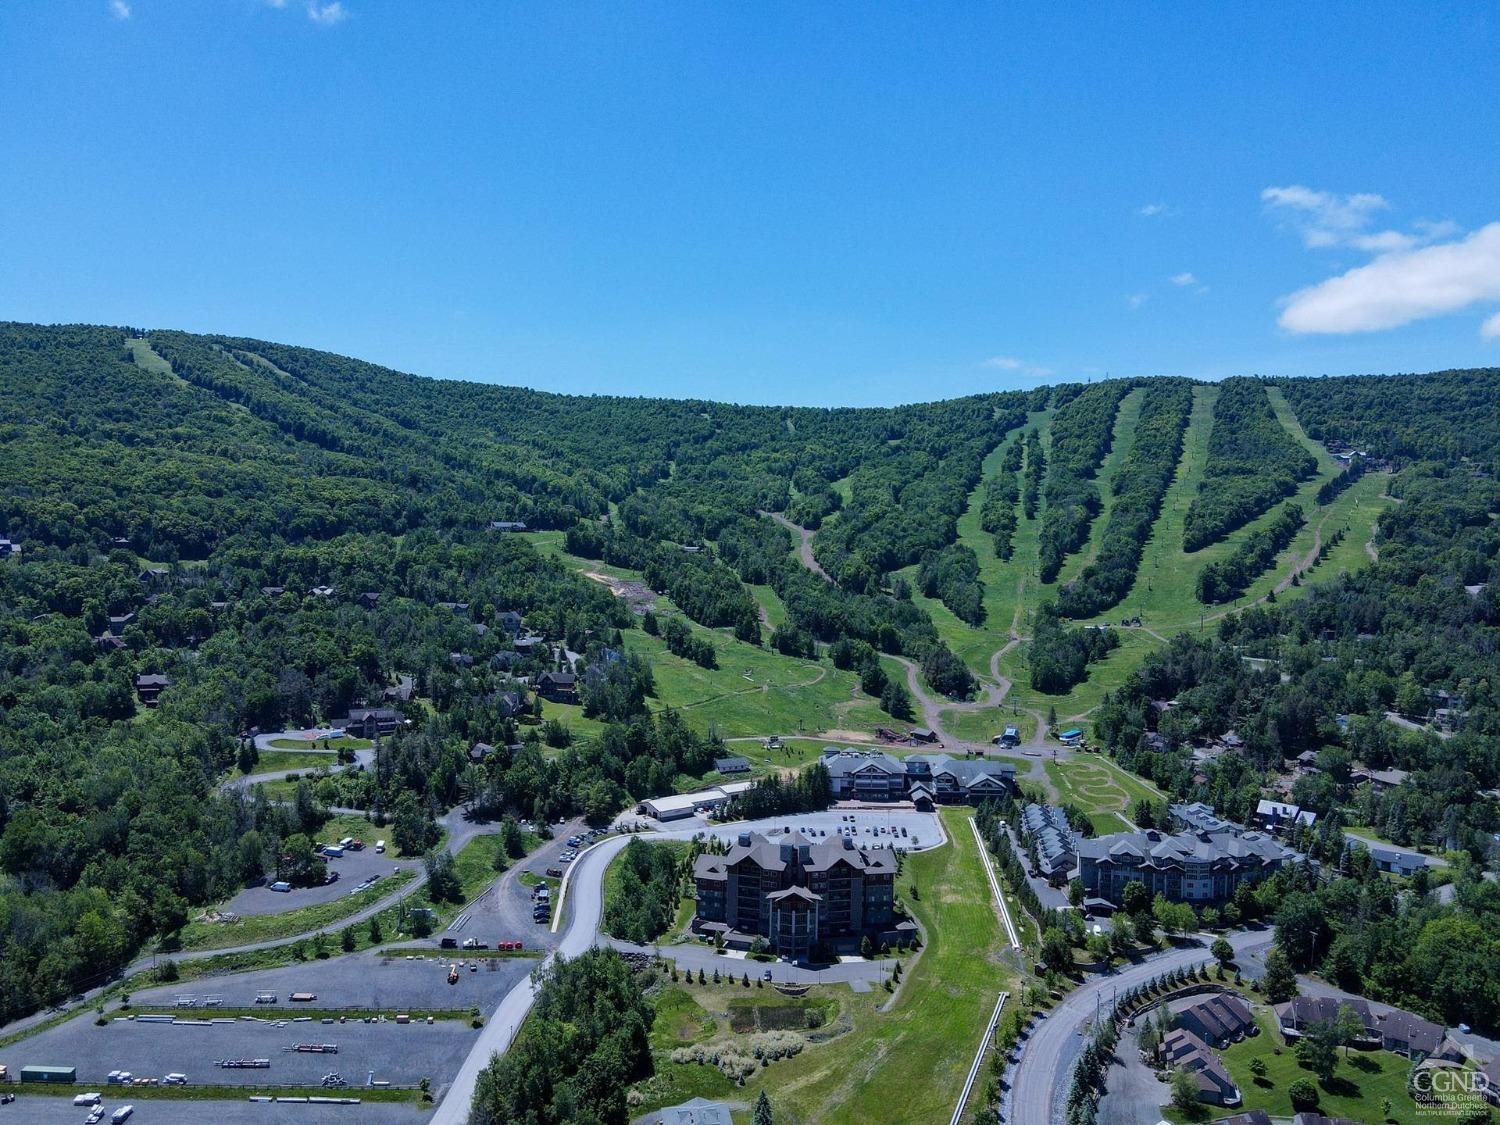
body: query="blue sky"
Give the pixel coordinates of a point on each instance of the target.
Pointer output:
(797, 203)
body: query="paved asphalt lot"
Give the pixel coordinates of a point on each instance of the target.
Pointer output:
(359, 980)
(400, 1053)
(924, 830)
(43, 1110)
(354, 868)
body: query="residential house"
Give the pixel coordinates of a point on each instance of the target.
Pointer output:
(272, 591)
(1307, 761)
(1250, 1117)
(800, 895)
(507, 525)
(1185, 1050)
(1489, 1077)
(480, 751)
(1219, 1019)
(1395, 861)
(1310, 1118)
(1047, 827)
(732, 765)
(455, 607)
(401, 690)
(460, 660)
(1275, 816)
(528, 646)
(1300, 1013)
(923, 734)
(115, 623)
(508, 704)
(7, 548)
(106, 642)
(1379, 780)
(1414, 1037)
(1202, 869)
(560, 687)
(322, 591)
(368, 722)
(149, 687)
(509, 620)
(369, 599)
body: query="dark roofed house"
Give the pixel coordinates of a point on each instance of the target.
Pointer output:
(1300, 1013)
(454, 607)
(367, 722)
(321, 591)
(508, 703)
(1185, 1050)
(560, 687)
(527, 646)
(505, 659)
(480, 751)
(1218, 1019)
(509, 620)
(369, 599)
(507, 525)
(115, 624)
(7, 548)
(864, 775)
(401, 690)
(732, 765)
(1489, 1077)
(272, 591)
(461, 660)
(1412, 1036)
(924, 734)
(106, 642)
(149, 687)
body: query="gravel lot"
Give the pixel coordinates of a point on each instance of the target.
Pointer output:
(360, 980)
(33, 1110)
(354, 868)
(401, 1054)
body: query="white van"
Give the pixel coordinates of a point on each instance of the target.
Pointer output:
(380, 846)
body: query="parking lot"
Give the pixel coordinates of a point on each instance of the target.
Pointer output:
(360, 980)
(46, 1110)
(402, 1054)
(876, 827)
(353, 869)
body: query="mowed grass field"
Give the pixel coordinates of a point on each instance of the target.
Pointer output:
(753, 692)
(1102, 789)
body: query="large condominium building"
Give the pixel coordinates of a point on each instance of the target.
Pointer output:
(1199, 868)
(870, 775)
(1056, 843)
(796, 893)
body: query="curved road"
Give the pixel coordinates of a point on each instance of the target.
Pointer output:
(1040, 1079)
(582, 898)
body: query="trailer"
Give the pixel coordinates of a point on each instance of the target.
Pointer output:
(58, 1075)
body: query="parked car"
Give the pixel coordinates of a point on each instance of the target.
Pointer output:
(380, 847)
(281, 886)
(448, 943)
(766, 975)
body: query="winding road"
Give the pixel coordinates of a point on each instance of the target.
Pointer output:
(1040, 1079)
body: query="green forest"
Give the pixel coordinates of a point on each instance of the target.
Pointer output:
(276, 536)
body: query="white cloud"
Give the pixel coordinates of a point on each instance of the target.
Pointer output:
(1321, 217)
(1152, 210)
(327, 14)
(1136, 300)
(1403, 285)
(1490, 329)
(1184, 278)
(119, 9)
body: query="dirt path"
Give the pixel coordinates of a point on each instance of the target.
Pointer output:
(804, 547)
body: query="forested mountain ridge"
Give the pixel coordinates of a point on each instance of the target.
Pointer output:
(254, 474)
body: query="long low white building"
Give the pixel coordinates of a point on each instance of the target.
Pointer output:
(680, 805)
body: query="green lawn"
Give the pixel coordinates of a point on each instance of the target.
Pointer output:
(269, 927)
(267, 761)
(347, 742)
(1362, 1080)
(1100, 788)
(983, 725)
(895, 1066)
